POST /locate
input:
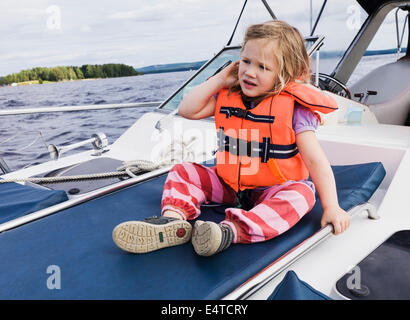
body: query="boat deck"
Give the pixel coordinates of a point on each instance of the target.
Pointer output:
(78, 242)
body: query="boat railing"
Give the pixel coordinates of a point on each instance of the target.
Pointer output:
(55, 152)
(82, 198)
(278, 266)
(78, 108)
(400, 37)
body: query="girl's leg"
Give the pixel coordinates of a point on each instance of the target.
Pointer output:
(189, 185)
(276, 210)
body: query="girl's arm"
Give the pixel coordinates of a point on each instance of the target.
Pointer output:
(200, 102)
(323, 178)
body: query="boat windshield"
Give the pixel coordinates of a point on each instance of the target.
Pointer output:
(209, 69)
(387, 46)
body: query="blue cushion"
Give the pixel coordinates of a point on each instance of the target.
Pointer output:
(17, 200)
(78, 240)
(292, 288)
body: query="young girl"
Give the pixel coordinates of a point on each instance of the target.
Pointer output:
(265, 119)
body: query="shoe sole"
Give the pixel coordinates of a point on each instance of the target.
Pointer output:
(143, 237)
(206, 238)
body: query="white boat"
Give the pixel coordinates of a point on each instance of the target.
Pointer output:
(63, 232)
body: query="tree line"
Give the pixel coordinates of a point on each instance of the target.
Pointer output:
(87, 71)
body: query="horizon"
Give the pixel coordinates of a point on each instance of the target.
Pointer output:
(372, 52)
(147, 33)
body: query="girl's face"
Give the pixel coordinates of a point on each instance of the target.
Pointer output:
(257, 68)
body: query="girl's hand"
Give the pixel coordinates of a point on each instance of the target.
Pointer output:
(229, 75)
(339, 218)
(200, 102)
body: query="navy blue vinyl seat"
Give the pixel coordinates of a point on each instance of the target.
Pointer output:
(17, 200)
(78, 242)
(292, 288)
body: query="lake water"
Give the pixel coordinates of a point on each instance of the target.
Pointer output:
(18, 132)
(23, 138)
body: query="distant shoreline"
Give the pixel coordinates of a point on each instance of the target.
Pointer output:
(39, 75)
(34, 82)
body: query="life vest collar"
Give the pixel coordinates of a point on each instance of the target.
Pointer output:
(307, 95)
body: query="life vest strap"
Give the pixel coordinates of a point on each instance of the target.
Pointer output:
(245, 114)
(265, 150)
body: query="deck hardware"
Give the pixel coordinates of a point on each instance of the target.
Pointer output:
(362, 292)
(369, 93)
(359, 95)
(74, 191)
(98, 140)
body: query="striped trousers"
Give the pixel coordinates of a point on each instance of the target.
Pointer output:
(275, 209)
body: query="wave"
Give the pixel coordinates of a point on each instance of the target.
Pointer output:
(62, 134)
(100, 101)
(125, 89)
(14, 103)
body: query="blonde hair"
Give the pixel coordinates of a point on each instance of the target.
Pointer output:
(290, 53)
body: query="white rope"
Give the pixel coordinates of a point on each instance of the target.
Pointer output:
(29, 145)
(8, 139)
(104, 175)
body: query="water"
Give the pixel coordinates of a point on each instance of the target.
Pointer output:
(23, 138)
(22, 144)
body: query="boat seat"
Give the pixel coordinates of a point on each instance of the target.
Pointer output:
(391, 104)
(17, 200)
(292, 288)
(78, 243)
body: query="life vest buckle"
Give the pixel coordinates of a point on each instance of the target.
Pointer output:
(240, 113)
(243, 148)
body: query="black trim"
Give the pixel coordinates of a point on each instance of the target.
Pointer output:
(245, 114)
(370, 6)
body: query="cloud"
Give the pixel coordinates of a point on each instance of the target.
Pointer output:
(145, 31)
(85, 28)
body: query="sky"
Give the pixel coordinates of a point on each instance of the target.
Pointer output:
(46, 33)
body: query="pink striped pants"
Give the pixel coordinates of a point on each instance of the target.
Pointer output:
(276, 209)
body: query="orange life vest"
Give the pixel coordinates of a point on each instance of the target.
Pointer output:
(257, 147)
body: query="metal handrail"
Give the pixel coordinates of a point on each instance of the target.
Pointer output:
(81, 199)
(79, 108)
(400, 38)
(282, 263)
